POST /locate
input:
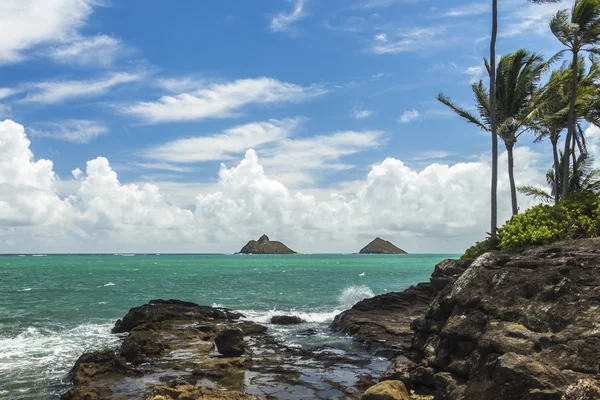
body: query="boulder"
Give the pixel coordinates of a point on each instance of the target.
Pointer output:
(265, 246)
(192, 392)
(286, 320)
(380, 246)
(386, 390)
(230, 342)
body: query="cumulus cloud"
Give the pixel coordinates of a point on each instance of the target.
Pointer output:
(219, 100)
(437, 208)
(30, 23)
(282, 21)
(74, 130)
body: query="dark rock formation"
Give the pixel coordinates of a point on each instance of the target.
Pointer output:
(230, 342)
(383, 322)
(286, 320)
(380, 246)
(266, 246)
(514, 326)
(167, 351)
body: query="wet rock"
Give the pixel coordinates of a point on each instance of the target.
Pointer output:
(514, 326)
(399, 370)
(230, 342)
(286, 320)
(98, 364)
(190, 392)
(307, 332)
(383, 323)
(164, 310)
(386, 390)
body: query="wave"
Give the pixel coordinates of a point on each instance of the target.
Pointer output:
(109, 284)
(43, 357)
(353, 294)
(346, 299)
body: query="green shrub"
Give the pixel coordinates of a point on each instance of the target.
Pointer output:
(477, 249)
(576, 217)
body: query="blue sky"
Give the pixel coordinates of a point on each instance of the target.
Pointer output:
(323, 91)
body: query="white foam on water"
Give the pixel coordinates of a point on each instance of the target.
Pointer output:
(44, 356)
(353, 294)
(109, 284)
(27, 289)
(318, 317)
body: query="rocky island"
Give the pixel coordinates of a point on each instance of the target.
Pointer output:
(265, 246)
(380, 246)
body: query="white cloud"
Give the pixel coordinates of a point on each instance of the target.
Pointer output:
(60, 91)
(358, 113)
(408, 41)
(475, 72)
(74, 130)
(221, 146)
(467, 10)
(592, 135)
(530, 18)
(7, 92)
(96, 50)
(220, 100)
(410, 115)
(27, 187)
(438, 208)
(27, 24)
(382, 37)
(282, 22)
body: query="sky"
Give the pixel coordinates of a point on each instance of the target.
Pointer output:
(194, 126)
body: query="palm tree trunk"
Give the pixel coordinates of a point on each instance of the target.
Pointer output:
(556, 173)
(511, 178)
(494, 128)
(570, 125)
(573, 155)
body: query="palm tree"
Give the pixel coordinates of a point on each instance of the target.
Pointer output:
(492, 116)
(578, 32)
(517, 77)
(582, 178)
(551, 115)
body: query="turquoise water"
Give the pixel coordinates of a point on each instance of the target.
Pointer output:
(53, 308)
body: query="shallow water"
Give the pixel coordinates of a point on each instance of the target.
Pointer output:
(54, 308)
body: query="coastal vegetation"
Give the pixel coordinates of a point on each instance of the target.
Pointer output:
(525, 96)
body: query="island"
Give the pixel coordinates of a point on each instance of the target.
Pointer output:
(380, 246)
(265, 246)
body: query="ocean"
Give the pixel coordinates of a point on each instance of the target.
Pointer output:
(55, 307)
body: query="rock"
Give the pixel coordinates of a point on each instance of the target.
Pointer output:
(383, 322)
(230, 342)
(386, 390)
(286, 320)
(164, 310)
(514, 326)
(380, 246)
(399, 370)
(191, 392)
(308, 332)
(265, 246)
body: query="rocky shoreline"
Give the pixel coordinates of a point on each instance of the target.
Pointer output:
(514, 326)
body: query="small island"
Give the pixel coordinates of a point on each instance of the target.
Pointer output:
(380, 246)
(265, 246)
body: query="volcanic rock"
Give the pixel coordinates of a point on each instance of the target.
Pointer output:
(286, 320)
(230, 342)
(518, 326)
(386, 390)
(266, 246)
(380, 246)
